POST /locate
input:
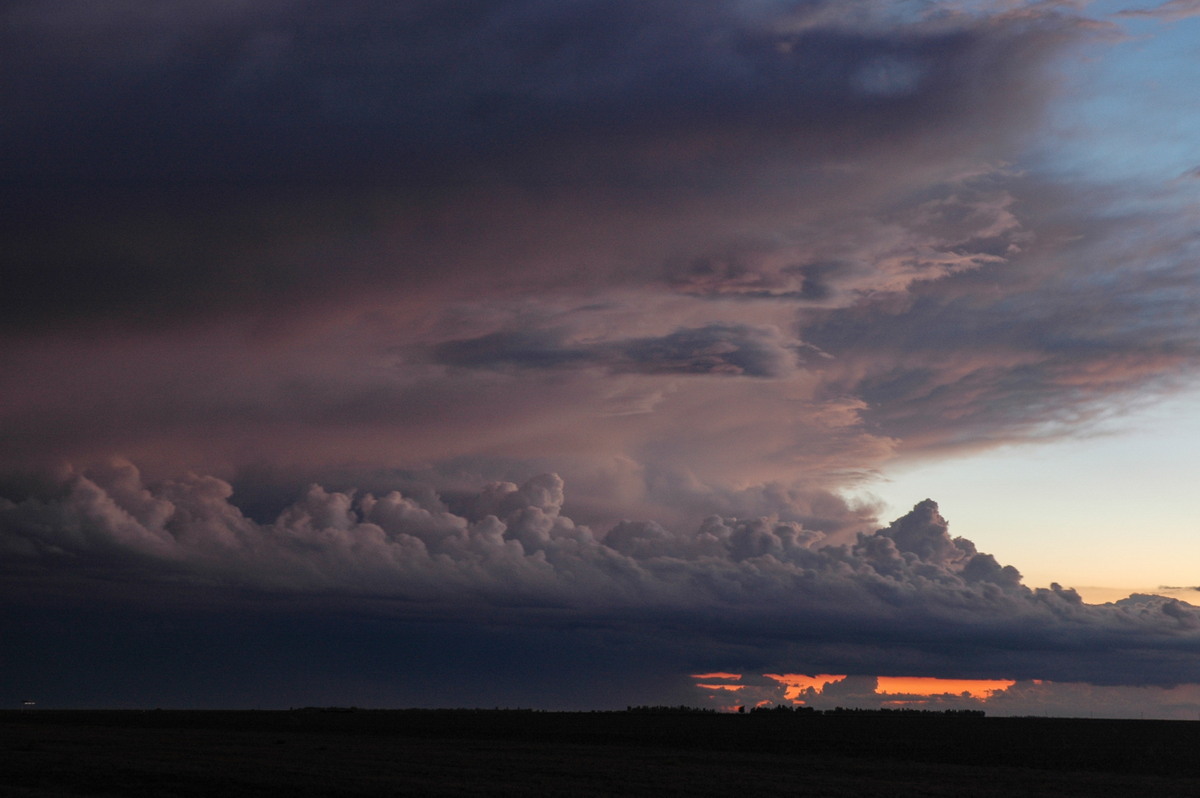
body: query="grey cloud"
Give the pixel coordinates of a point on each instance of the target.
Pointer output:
(729, 349)
(520, 348)
(1051, 699)
(434, 88)
(942, 229)
(758, 593)
(1039, 345)
(851, 691)
(225, 167)
(315, 233)
(716, 349)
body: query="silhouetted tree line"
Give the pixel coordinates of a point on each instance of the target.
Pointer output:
(683, 709)
(786, 708)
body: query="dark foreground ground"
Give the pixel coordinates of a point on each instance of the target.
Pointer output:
(374, 753)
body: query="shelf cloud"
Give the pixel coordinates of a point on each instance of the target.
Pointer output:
(907, 595)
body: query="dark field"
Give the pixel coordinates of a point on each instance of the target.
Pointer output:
(369, 753)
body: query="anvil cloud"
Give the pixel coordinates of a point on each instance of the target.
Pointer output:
(316, 305)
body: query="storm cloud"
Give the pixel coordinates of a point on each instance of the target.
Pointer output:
(584, 324)
(714, 349)
(907, 593)
(243, 151)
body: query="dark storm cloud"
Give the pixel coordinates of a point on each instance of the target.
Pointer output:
(263, 233)
(523, 348)
(715, 349)
(712, 262)
(240, 154)
(754, 593)
(432, 89)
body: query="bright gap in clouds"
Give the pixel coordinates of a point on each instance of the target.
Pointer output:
(798, 683)
(926, 686)
(1109, 514)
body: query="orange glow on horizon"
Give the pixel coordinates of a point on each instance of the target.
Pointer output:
(907, 690)
(799, 682)
(928, 685)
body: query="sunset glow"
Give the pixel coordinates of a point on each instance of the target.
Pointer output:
(925, 686)
(798, 682)
(909, 689)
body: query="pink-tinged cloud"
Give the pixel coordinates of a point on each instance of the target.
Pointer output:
(1170, 11)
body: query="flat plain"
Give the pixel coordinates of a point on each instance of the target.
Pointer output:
(314, 752)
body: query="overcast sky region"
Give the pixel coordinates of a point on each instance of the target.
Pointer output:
(562, 353)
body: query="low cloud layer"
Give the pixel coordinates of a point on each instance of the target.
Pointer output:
(739, 593)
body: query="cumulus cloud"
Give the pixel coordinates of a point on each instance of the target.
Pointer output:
(770, 589)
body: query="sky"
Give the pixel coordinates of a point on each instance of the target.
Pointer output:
(565, 354)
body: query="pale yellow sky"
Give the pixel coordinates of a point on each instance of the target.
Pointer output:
(1109, 514)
